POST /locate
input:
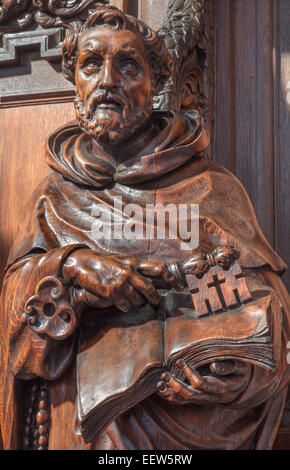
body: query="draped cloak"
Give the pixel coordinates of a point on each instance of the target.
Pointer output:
(169, 169)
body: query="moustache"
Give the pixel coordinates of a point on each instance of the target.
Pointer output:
(105, 97)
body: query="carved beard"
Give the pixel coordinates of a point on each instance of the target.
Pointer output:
(106, 130)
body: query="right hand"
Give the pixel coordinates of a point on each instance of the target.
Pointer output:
(125, 283)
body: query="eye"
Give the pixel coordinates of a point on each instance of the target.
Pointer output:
(92, 64)
(129, 66)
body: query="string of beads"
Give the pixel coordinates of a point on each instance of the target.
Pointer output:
(36, 422)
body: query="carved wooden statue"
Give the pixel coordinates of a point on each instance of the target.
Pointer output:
(85, 361)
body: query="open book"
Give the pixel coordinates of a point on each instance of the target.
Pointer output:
(123, 357)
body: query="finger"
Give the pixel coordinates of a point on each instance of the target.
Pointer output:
(210, 385)
(96, 301)
(150, 269)
(133, 296)
(145, 287)
(167, 393)
(131, 262)
(195, 379)
(178, 388)
(161, 272)
(223, 368)
(185, 395)
(163, 389)
(171, 280)
(121, 302)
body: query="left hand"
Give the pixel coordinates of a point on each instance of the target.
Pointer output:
(228, 380)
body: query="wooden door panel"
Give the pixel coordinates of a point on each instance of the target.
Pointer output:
(251, 110)
(22, 164)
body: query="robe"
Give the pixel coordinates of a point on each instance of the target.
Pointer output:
(59, 219)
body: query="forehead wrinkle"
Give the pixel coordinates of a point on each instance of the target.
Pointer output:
(90, 46)
(127, 51)
(94, 43)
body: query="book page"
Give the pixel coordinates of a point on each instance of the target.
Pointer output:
(124, 347)
(248, 322)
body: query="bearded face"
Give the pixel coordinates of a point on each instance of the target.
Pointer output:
(108, 118)
(114, 94)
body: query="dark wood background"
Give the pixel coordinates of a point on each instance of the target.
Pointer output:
(252, 126)
(251, 135)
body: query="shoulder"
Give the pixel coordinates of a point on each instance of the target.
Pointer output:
(226, 213)
(227, 203)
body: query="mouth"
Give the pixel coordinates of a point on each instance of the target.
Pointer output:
(109, 104)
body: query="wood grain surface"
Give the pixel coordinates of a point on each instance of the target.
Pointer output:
(22, 163)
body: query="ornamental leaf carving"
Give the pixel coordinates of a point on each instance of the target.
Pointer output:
(187, 33)
(182, 30)
(20, 14)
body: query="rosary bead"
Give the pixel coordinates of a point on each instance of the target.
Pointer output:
(42, 405)
(43, 394)
(42, 430)
(42, 441)
(41, 417)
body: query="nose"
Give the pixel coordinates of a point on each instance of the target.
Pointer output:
(108, 77)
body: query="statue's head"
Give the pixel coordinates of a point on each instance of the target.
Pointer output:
(117, 64)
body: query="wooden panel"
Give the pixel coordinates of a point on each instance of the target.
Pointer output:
(282, 132)
(243, 46)
(121, 4)
(22, 164)
(34, 79)
(252, 137)
(250, 113)
(224, 152)
(152, 12)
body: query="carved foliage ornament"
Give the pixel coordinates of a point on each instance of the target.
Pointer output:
(22, 14)
(187, 33)
(181, 30)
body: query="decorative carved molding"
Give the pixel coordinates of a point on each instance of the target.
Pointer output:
(21, 14)
(49, 44)
(16, 16)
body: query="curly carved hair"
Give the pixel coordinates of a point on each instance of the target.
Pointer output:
(157, 54)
